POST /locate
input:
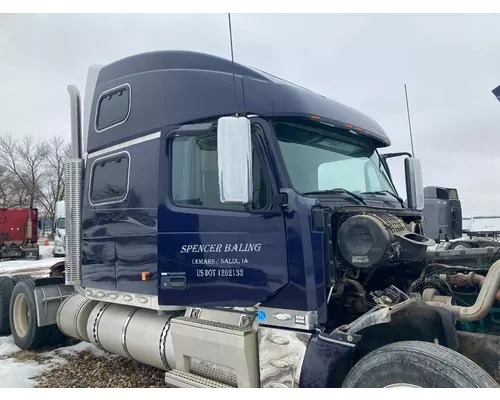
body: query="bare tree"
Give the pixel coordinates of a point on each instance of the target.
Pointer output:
(32, 172)
(12, 191)
(52, 188)
(5, 187)
(24, 160)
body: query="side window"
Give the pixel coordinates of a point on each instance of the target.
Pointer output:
(195, 175)
(113, 108)
(109, 179)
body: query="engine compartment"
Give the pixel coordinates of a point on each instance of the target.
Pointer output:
(380, 261)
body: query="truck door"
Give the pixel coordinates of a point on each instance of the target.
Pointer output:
(210, 253)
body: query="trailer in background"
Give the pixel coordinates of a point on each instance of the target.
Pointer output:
(19, 233)
(482, 226)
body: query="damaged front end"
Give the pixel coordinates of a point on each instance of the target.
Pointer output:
(388, 285)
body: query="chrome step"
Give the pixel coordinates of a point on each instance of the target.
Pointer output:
(225, 353)
(182, 379)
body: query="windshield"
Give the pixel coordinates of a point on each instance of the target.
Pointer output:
(60, 223)
(321, 158)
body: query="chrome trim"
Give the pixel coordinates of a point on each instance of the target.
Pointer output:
(124, 332)
(163, 339)
(130, 299)
(294, 319)
(95, 326)
(75, 317)
(104, 94)
(281, 354)
(91, 178)
(120, 146)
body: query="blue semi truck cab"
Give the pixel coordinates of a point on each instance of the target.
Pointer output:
(237, 230)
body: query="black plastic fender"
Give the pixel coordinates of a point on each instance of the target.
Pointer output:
(327, 360)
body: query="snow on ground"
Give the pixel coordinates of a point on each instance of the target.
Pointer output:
(7, 346)
(39, 267)
(16, 372)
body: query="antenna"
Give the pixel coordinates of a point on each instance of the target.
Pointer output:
(409, 122)
(232, 60)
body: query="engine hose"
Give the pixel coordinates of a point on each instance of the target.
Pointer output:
(472, 279)
(357, 285)
(487, 295)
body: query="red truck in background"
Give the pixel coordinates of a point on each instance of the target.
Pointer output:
(19, 233)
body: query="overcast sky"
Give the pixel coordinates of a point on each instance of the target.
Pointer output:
(450, 64)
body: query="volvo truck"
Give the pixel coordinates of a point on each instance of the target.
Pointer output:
(236, 230)
(443, 222)
(59, 249)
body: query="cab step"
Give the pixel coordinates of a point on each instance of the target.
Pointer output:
(182, 379)
(216, 352)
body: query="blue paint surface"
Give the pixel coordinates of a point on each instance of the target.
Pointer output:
(147, 231)
(119, 240)
(177, 87)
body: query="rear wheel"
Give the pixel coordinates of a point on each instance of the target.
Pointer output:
(17, 278)
(23, 321)
(6, 286)
(413, 364)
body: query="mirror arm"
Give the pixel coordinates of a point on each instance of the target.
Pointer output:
(392, 155)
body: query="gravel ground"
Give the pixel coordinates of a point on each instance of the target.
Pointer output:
(87, 370)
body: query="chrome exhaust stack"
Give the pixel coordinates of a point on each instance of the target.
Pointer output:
(73, 194)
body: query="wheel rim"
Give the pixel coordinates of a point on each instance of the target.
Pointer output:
(401, 385)
(21, 315)
(460, 247)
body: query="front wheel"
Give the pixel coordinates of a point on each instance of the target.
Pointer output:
(415, 364)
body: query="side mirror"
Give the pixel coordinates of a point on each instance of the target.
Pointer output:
(234, 159)
(414, 184)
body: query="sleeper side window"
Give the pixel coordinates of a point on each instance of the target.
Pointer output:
(195, 179)
(109, 179)
(113, 108)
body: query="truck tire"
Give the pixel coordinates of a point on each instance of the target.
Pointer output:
(419, 365)
(17, 278)
(6, 286)
(22, 313)
(460, 246)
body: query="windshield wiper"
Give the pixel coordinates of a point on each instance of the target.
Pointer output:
(338, 190)
(388, 192)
